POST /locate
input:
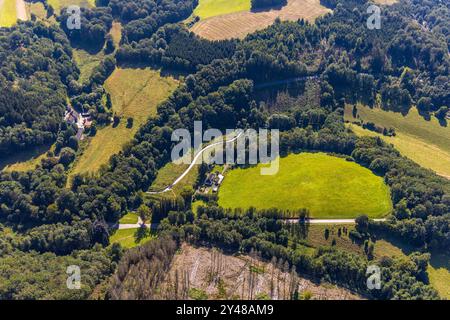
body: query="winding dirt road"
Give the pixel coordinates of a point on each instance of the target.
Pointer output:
(193, 163)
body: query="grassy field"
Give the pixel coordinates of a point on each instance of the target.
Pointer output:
(130, 238)
(197, 204)
(116, 32)
(316, 237)
(329, 187)
(25, 160)
(36, 8)
(59, 4)
(425, 142)
(239, 24)
(438, 269)
(86, 62)
(129, 218)
(212, 8)
(8, 15)
(439, 274)
(169, 173)
(135, 93)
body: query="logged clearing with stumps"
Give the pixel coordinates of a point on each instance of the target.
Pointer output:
(208, 274)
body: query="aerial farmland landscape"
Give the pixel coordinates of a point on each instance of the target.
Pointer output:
(233, 150)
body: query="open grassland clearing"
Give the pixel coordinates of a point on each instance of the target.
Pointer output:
(329, 187)
(8, 13)
(211, 8)
(135, 93)
(86, 62)
(59, 4)
(25, 160)
(439, 274)
(240, 24)
(338, 235)
(323, 235)
(129, 218)
(438, 269)
(36, 8)
(425, 142)
(169, 173)
(129, 238)
(214, 275)
(116, 32)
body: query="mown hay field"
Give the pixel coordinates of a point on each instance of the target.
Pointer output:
(134, 93)
(328, 186)
(240, 24)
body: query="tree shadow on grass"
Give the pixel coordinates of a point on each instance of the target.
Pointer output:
(407, 249)
(91, 48)
(269, 8)
(165, 72)
(141, 233)
(24, 155)
(443, 122)
(440, 260)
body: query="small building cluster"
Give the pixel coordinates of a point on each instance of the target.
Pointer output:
(82, 120)
(213, 181)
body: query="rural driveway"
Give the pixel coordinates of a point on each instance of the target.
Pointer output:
(310, 221)
(193, 163)
(330, 221)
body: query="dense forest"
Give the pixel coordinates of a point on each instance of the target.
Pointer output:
(35, 66)
(54, 225)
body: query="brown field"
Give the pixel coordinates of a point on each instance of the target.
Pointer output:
(204, 273)
(239, 24)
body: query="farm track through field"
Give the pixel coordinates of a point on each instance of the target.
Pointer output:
(240, 24)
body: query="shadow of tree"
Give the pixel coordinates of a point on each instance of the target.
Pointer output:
(443, 122)
(270, 7)
(141, 233)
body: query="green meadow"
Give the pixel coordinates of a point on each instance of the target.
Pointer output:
(328, 186)
(134, 93)
(424, 141)
(129, 238)
(211, 8)
(129, 218)
(8, 15)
